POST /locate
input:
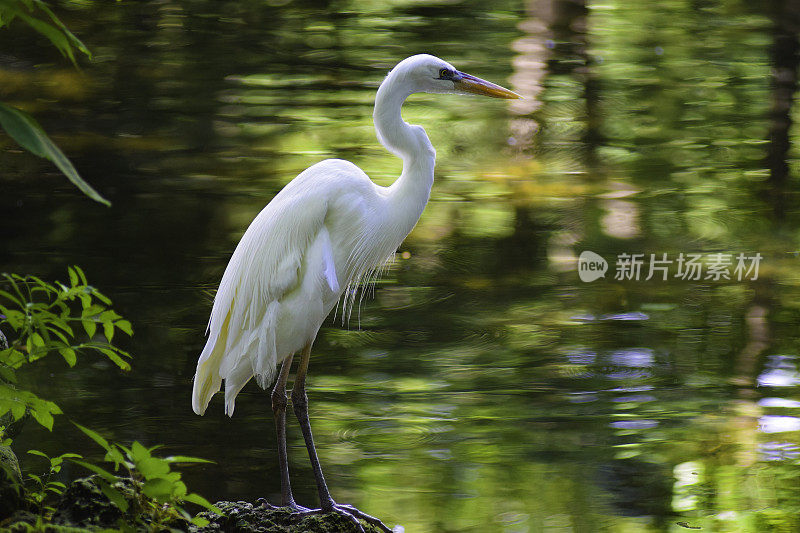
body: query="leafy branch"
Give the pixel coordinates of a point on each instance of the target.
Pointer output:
(159, 491)
(20, 125)
(44, 484)
(44, 320)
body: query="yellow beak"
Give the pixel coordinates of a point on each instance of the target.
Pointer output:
(471, 84)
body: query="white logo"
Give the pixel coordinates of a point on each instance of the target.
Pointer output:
(591, 266)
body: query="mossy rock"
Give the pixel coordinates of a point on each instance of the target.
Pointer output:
(244, 517)
(81, 507)
(84, 507)
(83, 504)
(11, 498)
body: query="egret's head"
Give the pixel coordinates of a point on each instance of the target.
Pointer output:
(429, 74)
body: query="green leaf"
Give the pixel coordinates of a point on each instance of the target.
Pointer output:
(185, 459)
(114, 456)
(7, 374)
(18, 410)
(114, 495)
(179, 490)
(102, 297)
(11, 297)
(152, 467)
(69, 356)
(58, 322)
(68, 34)
(63, 338)
(199, 500)
(43, 417)
(125, 326)
(14, 318)
(92, 312)
(159, 489)
(13, 358)
(40, 454)
(90, 326)
(81, 274)
(56, 37)
(139, 452)
(30, 135)
(117, 360)
(94, 436)
(73, 277)
(105, 474)
(37, 340)
(108, 329)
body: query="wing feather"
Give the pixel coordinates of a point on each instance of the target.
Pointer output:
(265, 265)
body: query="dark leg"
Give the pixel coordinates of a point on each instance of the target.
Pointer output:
(300, 405)
(279, 402)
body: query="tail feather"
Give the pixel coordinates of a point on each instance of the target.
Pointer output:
(235, 354)
(207, 380)
(234, 383)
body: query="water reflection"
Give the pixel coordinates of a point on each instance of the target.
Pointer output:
(487, 388)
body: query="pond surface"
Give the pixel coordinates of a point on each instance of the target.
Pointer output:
(485, 386)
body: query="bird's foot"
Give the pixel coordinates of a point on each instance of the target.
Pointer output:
(349, 509)
(352, 514)
(298, 508)
(291, 505)
(265, 504)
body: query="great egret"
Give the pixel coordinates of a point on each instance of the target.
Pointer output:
(327, 231)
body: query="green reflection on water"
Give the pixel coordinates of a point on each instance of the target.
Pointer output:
(487, 388)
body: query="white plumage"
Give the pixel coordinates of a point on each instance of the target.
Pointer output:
(277, 291)
(319, 237)
(327, 231)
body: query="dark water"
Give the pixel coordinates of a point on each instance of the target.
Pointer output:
(485, 387)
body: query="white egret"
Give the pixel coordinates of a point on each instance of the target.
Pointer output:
(320, 236)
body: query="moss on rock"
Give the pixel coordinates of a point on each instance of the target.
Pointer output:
(10, 483)
(244, 517)
(84, 507)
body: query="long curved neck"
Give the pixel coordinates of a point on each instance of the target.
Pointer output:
(410, 143)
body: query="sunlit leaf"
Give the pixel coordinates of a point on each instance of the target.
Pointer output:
(199, 500)
(18, 410)
(115, 358)
(125, 326)
(73, 277)
(90, 326)
(44, 417)
(40, 454)
(159, 489)
(69, 356)
(152, 467)
(105, 474)
(108, 330)
(185, 459)
(94, 436)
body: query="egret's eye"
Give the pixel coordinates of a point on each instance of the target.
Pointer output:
(445, 74)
